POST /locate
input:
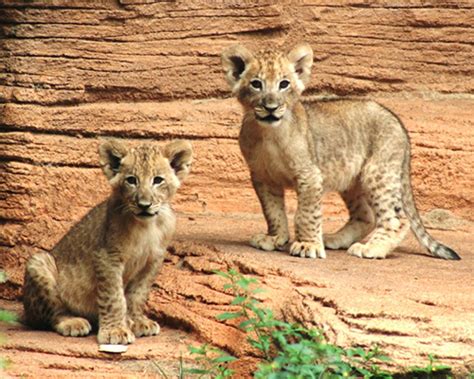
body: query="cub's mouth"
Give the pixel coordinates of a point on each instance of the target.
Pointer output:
(270, 118)
(145, 214)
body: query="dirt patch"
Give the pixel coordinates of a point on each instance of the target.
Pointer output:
(410, 304)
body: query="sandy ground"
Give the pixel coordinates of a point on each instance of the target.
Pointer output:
(410, 304)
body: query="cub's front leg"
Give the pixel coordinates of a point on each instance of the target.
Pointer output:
(137, 295)
(273, 206)
(113, 325)
(308, 218)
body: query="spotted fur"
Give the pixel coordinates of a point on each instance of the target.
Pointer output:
(103, 268)
(355, 147)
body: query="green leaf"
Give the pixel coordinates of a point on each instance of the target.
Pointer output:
(441, 368)
(247, 324)
(238, 300)
(3, 277)
(355, 352)
(233, 272)
(384, 358)
(255, 343)
(224, 358)
(225, 374)
(243, 283)
(198, 371)
(201, 350)
(363, 371)
(6, 316)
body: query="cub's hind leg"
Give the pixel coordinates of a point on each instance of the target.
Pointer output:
(360, 223)
(384, 192)
(42, 304)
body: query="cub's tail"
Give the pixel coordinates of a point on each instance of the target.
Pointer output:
(434, 247)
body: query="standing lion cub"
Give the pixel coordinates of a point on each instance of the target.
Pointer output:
(357, 148)
(103, 268)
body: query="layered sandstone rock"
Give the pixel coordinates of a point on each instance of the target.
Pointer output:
(408, 305)
(74, 72)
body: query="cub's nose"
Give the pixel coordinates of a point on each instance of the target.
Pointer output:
(144, 205)
(270, 108)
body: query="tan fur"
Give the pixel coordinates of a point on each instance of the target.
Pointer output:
(103, 268)
(357, 148)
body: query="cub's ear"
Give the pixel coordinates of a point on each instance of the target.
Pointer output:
(235, 60)
(180, 155)
(301, 56)
(111, 153)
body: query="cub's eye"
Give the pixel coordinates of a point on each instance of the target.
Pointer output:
(256, 83)
(284, 84)
(131, 180)
(158, 180)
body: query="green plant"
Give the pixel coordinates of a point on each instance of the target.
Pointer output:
(213, 362)
(431, 370)
(7, 317)
(288, 350)
(291, 350)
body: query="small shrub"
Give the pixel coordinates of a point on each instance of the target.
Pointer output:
(431, 370)
(289, 350)
(213, 362)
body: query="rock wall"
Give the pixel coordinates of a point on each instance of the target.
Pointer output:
(75, 71)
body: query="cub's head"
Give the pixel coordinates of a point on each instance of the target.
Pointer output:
(268, 83)
(145, 177)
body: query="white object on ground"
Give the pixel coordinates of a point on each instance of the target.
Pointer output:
(109, 348)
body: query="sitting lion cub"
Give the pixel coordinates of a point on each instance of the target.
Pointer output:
(103, 269)
(355, 147)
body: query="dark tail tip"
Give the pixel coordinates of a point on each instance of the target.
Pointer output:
(445, 252)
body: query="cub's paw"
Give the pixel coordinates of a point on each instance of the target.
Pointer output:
(371, 251)
(73, 326)
(308, 249)
(143, 326)
(269, 243)
(117, 335)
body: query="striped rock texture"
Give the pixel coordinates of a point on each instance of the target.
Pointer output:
(73, 72)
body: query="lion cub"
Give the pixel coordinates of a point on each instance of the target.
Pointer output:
(103, 268)
(355, 147)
